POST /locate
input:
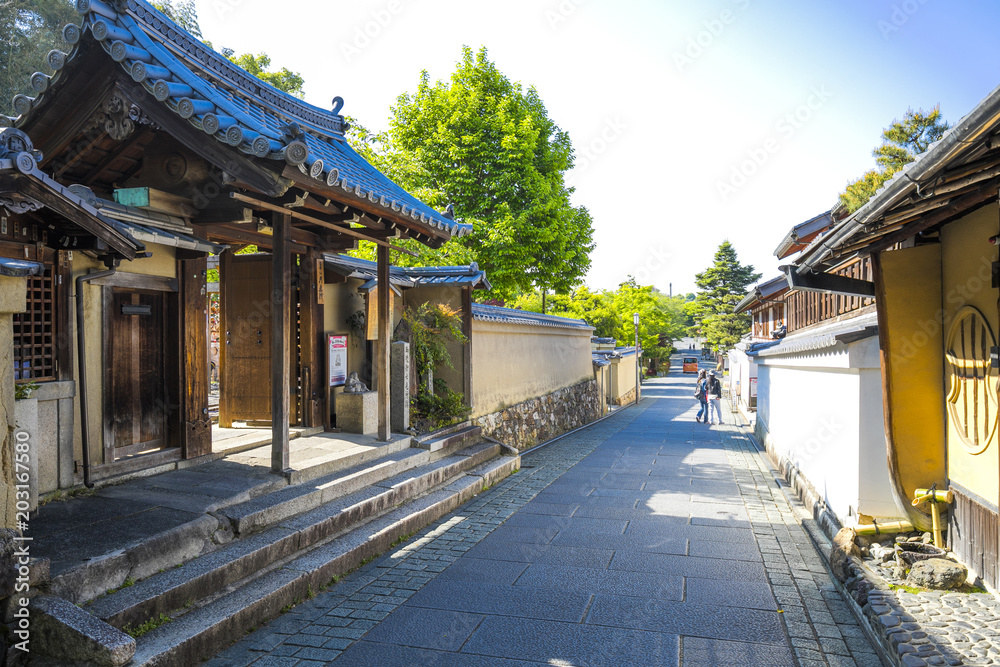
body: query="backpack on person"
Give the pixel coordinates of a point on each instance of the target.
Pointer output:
(700, 389)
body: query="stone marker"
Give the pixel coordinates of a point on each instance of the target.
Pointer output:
(399, 387)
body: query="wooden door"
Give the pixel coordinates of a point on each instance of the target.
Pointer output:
(138, 408)
(245, 387)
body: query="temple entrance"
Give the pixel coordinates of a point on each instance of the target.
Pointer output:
(137, 396)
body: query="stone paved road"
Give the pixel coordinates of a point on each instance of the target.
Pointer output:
(645, 539)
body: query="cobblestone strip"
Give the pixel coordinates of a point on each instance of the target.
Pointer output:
(822, 628)
(936, 628)
(317, 631)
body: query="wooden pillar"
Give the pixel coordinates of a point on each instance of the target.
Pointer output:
(311, 338)
(384, 342)
(196, 436)
(281, 294)
(225, 391)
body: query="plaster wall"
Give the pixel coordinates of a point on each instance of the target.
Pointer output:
(910, 318)
(341, 300)
(512, 363)
(823, 419)
(623, 374)
(966, 281)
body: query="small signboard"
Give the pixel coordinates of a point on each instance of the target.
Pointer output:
(320, 282)
(753, 387)
(336, 352)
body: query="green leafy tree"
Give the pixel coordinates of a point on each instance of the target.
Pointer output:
(902, 142)
(722, 286)
(185, 14)
(30, 29)
(482, 143)
(259, 66)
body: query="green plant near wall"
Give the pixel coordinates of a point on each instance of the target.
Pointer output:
(24, 390)
(431, 327)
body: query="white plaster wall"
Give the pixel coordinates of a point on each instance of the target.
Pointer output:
(814, 423)
(826, 418)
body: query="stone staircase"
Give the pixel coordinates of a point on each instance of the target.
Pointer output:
(292, 542)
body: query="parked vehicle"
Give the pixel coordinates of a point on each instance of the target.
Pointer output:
(690, 364)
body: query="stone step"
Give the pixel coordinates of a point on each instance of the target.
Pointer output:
(321, 467)
(453, 439)
(382, 473)
(204, 630)
(285, 536)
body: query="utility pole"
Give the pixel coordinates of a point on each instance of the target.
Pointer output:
(638, 368)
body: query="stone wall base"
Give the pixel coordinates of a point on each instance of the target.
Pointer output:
(625, 399)
(536, 420)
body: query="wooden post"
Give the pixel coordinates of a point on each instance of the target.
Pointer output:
(225, 409)
(196, 438)
(384, 341)
(281, 294)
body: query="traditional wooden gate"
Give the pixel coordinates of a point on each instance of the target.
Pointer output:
(137, 406)
(245, 359)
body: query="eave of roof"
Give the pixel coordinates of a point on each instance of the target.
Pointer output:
(33, 189)
(762, 292)
(802, 234)
(407, 276)
(499, 314)
(823, 337)
(237, 109)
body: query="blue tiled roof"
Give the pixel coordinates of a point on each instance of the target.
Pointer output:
(20, 268)
(513, 316)
(237, 109)
(409, 276)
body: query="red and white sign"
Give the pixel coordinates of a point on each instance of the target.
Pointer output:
(336, 351)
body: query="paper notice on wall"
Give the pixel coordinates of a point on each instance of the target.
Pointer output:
(336, 347)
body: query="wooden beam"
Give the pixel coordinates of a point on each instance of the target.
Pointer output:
(955, 207)
(233, 235)
(829, 283)
(280, 344)
(384, 342)
(267, 206)
(376, 210)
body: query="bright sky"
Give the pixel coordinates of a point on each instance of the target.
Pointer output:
(693, 122)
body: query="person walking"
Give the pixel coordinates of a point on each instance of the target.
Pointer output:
(701, 393)
(714, 399)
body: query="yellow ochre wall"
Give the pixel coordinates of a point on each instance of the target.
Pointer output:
(512, 363)
(966, 274)
(911, 329)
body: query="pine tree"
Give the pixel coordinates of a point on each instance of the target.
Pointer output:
(902, 142)
(722, 286)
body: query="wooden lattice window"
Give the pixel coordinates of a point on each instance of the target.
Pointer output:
(35, 331)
